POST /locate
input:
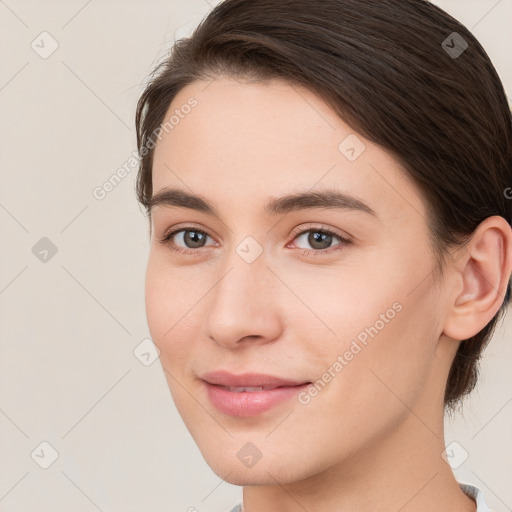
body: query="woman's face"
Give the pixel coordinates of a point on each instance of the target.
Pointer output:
(265, 290)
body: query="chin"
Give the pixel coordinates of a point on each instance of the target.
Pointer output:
(263, 475)
(265, 471)
(243, 478)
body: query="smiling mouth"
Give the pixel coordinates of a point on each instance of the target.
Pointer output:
(252, 389)
(249, 401)
(249, 381)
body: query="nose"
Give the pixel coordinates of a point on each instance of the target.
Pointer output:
(244, 305)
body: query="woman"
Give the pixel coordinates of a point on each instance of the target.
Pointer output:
(330, 245)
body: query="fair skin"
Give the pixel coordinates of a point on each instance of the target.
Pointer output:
(372, 439)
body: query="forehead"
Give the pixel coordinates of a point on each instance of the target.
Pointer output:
(255, 140)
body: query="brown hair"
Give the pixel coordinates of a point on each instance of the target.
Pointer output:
(392, 70)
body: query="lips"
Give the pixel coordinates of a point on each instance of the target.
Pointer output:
(249, 394)
(248, 380)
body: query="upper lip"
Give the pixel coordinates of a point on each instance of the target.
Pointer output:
(224, 378)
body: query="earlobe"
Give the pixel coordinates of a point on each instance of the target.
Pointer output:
(480, 279)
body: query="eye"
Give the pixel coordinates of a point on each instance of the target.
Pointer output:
(320, 239)
(190, 236)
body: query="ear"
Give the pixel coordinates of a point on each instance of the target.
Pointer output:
(480, 279)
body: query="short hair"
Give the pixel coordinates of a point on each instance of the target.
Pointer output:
(402, 73)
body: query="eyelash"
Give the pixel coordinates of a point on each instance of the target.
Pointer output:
(166, 241)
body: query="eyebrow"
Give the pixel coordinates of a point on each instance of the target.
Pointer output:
(328, 199)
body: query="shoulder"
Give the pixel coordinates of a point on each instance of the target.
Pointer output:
(470, 490)
(477, 495)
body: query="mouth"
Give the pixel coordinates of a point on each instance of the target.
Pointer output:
(250, 389)
(249, 394)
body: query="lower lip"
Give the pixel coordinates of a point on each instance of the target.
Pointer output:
(249, 403)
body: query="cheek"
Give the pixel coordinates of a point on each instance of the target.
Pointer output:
(168, 297)
(366, 389)
(337, 305)
(391, 355)
(157, 298)
(374, 326)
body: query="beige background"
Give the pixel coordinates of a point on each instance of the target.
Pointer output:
(69, 326)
